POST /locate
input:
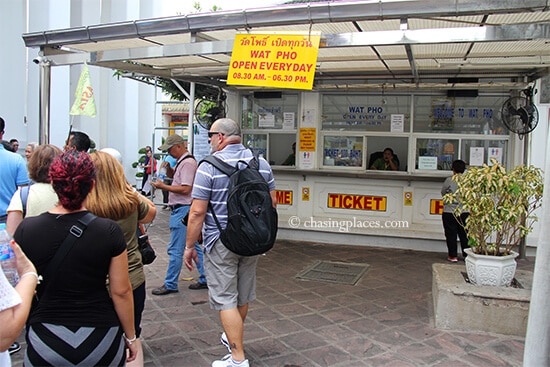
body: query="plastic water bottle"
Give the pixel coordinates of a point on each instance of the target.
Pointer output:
(7, 257)
(162, 173)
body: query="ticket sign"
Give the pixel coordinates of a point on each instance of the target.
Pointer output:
(357, 202)
(277, 60)
(284, 197)
(436, 206)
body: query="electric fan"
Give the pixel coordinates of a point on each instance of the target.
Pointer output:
(519, 114)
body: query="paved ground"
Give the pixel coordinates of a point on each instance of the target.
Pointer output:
(386, 319)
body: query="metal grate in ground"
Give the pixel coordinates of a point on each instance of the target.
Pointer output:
(334, 272)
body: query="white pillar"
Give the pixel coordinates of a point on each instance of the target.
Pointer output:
(537, 339)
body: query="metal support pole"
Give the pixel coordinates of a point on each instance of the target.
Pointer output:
(191, 119)
(44, 102)
(526, 160)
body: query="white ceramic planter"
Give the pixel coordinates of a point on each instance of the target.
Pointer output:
(497, 271)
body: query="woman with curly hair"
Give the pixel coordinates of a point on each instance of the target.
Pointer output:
(77, 320)
(113, 197)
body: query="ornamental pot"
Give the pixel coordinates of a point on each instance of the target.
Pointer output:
(496, 271)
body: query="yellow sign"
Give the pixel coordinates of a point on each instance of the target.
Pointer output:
(277, 60)
(284, 197)
(408, 198)
(305, 193)
(308, 139)
(436, 206)
(358, 202)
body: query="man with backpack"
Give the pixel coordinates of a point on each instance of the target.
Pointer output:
(231, 277)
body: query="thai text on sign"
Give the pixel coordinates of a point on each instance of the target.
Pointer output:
(278, 60)
(358, 202)
(284, 197)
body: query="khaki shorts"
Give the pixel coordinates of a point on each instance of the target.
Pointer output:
(231, 278)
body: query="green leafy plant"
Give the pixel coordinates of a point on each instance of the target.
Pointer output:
(501, 204)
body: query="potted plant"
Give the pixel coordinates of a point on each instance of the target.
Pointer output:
(501, 204)
(139, 170)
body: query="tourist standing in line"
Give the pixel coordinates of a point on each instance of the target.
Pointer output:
(112, 197)
(453, 225)
(75, 313)
(179, 201)
(231, 277)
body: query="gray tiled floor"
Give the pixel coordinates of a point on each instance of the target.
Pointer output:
(386, 319)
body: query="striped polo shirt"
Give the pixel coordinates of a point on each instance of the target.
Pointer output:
(211, 184)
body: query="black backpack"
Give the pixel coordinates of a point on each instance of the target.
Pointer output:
(252, 220)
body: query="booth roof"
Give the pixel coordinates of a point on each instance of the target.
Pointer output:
(408, 45)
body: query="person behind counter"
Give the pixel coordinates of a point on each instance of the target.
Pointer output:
(388, 162)
(291, 159)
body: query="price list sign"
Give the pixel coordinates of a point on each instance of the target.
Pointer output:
(277, 60)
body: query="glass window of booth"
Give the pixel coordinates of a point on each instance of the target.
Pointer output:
(343, 151)
(477, 152)
(365, 112)
(459, 115)
(276, 148)
(270, 110)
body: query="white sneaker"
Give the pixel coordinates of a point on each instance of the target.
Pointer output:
(227, 361)
(225, 342)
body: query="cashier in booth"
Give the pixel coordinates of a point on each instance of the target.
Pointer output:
(388, 162)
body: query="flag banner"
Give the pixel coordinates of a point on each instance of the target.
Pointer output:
(84, 103)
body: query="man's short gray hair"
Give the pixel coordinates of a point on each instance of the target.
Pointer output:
(228, 127)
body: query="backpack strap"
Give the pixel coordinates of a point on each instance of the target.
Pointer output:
(75, 232)
(222, 166)
(24, 193)
(227, 170)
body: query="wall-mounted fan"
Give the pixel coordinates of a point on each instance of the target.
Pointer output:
(519, 114)
(207, 111)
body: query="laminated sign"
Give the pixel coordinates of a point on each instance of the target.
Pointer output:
(278, 60)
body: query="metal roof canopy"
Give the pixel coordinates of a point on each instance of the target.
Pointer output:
(496, 45)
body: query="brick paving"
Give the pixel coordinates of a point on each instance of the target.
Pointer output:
(384, 320)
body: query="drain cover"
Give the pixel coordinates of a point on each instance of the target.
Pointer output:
(334, 272)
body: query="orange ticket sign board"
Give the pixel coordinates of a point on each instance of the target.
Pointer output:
(357, 202)
(277, 60)
(308, 139)
(436, 206)
(284, 197)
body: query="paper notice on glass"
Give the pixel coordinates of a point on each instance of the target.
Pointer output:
(397, 123)
(495, 153)
(309, 118)
(266, 120)
(306, 159)
(288, 121)
(476, 156)
(427, 162)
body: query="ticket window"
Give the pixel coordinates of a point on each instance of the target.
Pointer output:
(477, 152)
(257, 143)
(282, 147)
(377, 144)
(343, 151)
(436, 154)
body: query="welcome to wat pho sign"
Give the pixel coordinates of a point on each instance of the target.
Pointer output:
(277, 60)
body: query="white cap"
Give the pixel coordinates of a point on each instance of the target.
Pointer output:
(115, 153)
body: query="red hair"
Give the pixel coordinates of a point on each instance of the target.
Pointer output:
(72, 175)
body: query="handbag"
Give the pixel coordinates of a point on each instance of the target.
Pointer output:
(147, 252)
